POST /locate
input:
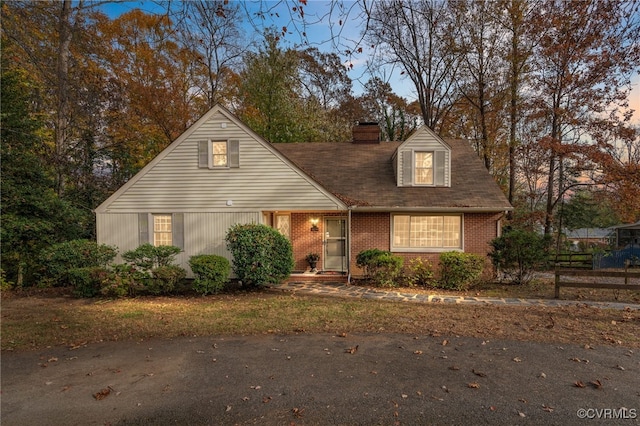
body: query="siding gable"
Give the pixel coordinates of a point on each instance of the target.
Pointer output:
(424, 140)
(258, 176)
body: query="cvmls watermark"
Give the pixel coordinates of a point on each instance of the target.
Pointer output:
(607, 413)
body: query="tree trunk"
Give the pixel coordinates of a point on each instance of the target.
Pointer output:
(62, 74)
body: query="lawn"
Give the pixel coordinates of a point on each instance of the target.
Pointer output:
(42, 319)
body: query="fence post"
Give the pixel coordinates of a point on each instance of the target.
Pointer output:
(557, 282)
(626, 271)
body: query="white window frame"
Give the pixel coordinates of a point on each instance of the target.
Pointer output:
(432, 249)
(212, 164)
(159, 235)
(415, 168)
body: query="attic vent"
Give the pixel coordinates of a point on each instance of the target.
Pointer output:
(366, 132)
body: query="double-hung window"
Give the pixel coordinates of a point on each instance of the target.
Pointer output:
(162, 230)
(219, 156)
(426, 232)
(423, 168)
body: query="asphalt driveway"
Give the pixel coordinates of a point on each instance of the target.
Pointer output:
(307, 379)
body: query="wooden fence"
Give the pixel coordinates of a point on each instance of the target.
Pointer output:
(626, 274)
(571, 260)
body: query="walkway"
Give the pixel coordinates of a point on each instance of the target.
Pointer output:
(333, 289)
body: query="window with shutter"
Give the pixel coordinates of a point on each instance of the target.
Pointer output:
(218, 154)
(161, 229)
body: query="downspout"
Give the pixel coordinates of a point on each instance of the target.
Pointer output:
(349, 244)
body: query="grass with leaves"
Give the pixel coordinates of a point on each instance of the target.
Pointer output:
(38, 321)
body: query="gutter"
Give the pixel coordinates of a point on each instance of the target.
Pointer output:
(433, 209)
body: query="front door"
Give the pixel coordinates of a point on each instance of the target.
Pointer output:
(335, 244)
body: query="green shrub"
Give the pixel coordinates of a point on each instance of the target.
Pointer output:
(88, 282)
(382, 268)
(261, 255)
(211, 273)
(122, 281)
(58, 260)
(459, 270)
(148, 256)
(5, 285)
(517, 252)
(164, 279)
(364, 260)
(420, 272)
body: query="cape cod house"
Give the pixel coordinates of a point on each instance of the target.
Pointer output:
(416, 198)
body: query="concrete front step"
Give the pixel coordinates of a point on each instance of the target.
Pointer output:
(318, 277)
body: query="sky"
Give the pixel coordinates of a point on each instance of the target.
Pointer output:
(325, 23)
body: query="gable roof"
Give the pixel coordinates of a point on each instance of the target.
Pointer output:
(175, 181)
(362, 176)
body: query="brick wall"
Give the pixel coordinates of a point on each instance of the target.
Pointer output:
(373, 230)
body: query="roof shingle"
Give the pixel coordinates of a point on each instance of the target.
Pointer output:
(362, 175)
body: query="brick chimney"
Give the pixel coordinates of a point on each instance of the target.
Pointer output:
(366, 132)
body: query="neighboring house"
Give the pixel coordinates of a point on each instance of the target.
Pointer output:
(417, 198)
(590, 237)
(627, 235)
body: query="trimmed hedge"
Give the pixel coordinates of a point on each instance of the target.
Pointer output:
(459, 270)
(381, 267)
(211, 273)
(261, 254)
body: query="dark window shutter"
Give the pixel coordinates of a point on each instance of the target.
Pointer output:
(143, 228)
(407, 168)
(177, 226)
(439, 161)
(234, 153)
(203, 154)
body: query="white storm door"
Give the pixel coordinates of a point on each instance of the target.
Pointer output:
(335, 244)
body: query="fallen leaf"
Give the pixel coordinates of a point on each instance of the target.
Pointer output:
(52, 359)
(596, 384)
(517, 359)
(352, 350)
(228, 408)
(454, 368)
(103, 393)
(405, 396)
(542, 375)
(342, 335)
(266, 399)
(579, 384)
(297, 412)
(521, 414)
(445, 342)
(417, 352)
(619, 367)
(473, 385)
(547, 408)
(478, 373)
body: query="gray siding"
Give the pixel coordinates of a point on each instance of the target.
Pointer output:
(263, 180)
(203, 232)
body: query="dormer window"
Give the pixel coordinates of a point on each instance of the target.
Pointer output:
(423, 172)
